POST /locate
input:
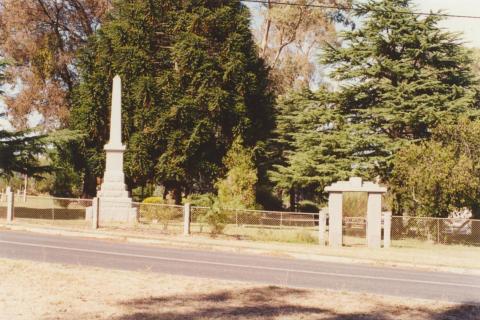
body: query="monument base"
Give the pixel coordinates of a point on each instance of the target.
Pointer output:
(117, 210)
(114, 210)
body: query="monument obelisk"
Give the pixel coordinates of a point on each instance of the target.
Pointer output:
(114, 200)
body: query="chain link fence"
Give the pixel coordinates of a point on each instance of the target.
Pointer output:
(51, 211)
(239, 223)
(3, 206)
(257, 224)
(436, 230)
(163, 218)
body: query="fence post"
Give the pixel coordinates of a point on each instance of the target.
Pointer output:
(95, 212)
(322, 227)
(387, 229)
(438, 231)
(10, 204)
(25, 189)
(186, 218)
(53, 210)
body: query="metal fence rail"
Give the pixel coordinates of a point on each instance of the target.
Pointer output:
(437, 230)
(258, 224)
(51, 210)
(239, 223)
(164, 218)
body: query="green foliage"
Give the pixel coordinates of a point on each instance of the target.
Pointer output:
(156, 209)
(21, 151)
(237, 189)
(436, 177)
(307, 206)
(216, 217)
(318, 146)
(401, 75)
(154, 200)
(200, 200)
(192, 81)
(398, 75)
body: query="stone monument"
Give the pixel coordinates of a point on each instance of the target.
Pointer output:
(115, 203)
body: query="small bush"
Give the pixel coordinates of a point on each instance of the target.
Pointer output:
(154, 200)
(216, 218)
(200, 200)
(155, 210)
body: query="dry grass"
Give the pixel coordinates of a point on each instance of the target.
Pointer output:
(48, 291)
(404, 252)
(409, 252)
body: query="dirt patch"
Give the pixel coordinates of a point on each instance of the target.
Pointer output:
(48, 291)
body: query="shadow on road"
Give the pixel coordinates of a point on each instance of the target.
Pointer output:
(270, 302)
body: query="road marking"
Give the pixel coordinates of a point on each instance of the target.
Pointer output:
(344, 275)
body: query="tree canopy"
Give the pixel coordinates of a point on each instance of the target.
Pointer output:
(397, 77)
(439, 176)
(192, 82)
(401, 74)
(41, 38)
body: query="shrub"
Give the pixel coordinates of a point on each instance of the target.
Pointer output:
(155, 209)
(437, 177)
(216, 217)
(200, 200)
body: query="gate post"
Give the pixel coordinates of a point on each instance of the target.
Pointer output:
(10, 204)
(322, 227)
(95, 212)
(187, 212)
(335, 215)
(374, 220)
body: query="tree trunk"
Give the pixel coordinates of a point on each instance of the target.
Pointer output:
(89, 186)
(293, 202)
(268, 24)
(177, 195)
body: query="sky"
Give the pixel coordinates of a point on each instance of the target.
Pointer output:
(469, 27)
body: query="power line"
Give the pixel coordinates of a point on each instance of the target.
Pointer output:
(326, 6)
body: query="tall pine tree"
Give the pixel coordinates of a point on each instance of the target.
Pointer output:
(399, 75)
(192, 82)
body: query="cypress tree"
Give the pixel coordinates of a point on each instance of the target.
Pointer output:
(192, 82)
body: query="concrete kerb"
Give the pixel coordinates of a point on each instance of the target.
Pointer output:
(245, 246)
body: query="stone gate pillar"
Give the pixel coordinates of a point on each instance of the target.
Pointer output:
(335, 209)
(374, 220)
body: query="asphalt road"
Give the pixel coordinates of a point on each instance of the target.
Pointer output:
(243, 267)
